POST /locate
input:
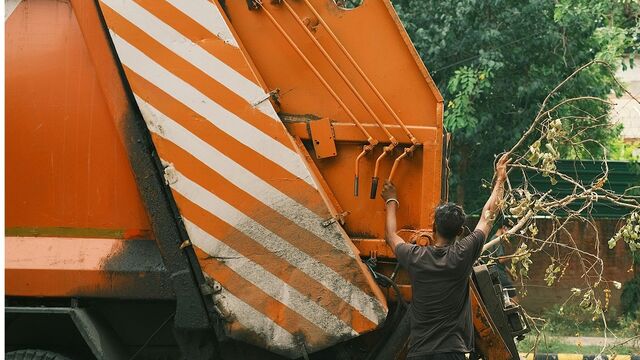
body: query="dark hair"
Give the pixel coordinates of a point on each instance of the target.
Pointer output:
(449, 220)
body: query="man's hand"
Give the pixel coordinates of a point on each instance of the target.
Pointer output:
(501, 168)
(389, 191)
(488, 212)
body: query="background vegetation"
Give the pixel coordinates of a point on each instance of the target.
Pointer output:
(495, 61)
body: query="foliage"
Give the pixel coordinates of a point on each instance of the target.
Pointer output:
(534, 77)
(494, 61)
(630, 298)
(629, 151)
(467, 84)
(554, 345)
(571, 320)
(629, 233)
(523, 202)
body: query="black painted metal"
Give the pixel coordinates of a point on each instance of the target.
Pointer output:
(98, 335)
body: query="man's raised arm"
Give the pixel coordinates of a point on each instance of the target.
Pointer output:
(390, 197)
(490, 208)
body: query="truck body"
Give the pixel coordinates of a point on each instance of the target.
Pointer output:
(215, 165)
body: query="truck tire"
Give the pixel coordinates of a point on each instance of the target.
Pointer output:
(34, 354)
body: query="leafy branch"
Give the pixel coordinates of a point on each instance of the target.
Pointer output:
(536, 153)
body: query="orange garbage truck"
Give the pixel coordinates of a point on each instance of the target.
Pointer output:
(198, 179)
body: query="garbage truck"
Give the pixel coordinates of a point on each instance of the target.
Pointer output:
(199, 179)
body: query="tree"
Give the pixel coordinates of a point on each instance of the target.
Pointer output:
(495, 61)
(507, 71)
(523, 203)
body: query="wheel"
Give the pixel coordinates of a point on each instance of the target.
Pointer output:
(34, 354)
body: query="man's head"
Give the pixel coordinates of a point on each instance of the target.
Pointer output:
(449, 221)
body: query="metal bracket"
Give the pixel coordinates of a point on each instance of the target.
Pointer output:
(206, 290)
(335, 219)
(273, 94)
(253, 4)
(323, 138)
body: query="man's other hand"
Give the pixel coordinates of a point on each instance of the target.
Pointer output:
(501, 167)
(389, 191)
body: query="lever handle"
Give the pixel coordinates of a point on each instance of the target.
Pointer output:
(355, 186)
(374, 187)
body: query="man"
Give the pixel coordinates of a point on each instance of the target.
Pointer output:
(497, 251)
(441, 323)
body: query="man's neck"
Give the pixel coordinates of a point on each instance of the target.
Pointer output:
(441, 242)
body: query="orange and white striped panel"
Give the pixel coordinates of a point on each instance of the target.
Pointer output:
(248, 200)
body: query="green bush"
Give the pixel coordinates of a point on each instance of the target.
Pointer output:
(571, 320)
(630, 298)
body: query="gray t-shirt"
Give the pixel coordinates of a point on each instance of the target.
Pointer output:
(441, 308)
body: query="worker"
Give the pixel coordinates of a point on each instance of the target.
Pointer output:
(494, 249)
(440, 313)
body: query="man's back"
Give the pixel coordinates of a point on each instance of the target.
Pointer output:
(441, 310)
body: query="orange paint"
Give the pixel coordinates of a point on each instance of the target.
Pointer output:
(253, 161)
(301, 238)
(65, 165)
(399, 76)
(198, 34)
(195, 77)
(274, 264)
(323, 138)
(68, 267)
(256, 298)
(67, 168)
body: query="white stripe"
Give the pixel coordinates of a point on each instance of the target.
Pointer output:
(206, 14)
(276, 338)
(269, 283)
(193, 53)
(208, 109)
(165, 127)
(9, 7)
(365, 304)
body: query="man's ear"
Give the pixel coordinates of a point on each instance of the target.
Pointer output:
(461, 231)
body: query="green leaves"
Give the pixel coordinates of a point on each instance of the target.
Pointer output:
(553, 273)
(495, 61)
(629, 233)
(466, 85)
(521, 261)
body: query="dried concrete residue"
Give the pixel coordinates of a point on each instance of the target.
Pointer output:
(151, 119)
(170, 175)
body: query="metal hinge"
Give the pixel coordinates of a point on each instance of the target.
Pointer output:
(338, 218)
(273, 94)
